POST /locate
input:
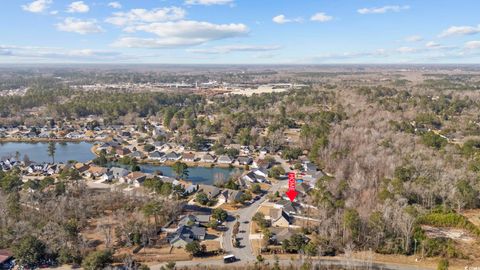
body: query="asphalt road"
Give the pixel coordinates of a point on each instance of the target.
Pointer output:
(245, 252)
(325, 262)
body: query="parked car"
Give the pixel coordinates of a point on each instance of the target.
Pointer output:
(229, 259)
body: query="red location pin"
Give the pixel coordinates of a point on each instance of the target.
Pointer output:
(291, 193)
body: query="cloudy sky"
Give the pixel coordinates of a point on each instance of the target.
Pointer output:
(240, 31)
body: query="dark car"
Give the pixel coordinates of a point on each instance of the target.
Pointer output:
(229, 259)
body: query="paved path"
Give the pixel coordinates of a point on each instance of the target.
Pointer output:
(343, 262)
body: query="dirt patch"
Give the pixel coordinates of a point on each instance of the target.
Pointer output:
(229, 207)
(164, 254)
(265, 210)
(212, 245)
(452, 233)
(256, 246)
(254, 227)
(473, 216)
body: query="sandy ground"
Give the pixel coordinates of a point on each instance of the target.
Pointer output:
(473, 216)
(260, 90)
(452, 233)
(154, 255)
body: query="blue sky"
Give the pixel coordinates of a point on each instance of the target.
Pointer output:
(240, 31)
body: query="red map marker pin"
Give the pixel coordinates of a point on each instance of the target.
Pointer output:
(291, 193)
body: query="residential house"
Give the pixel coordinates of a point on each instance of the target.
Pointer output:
(262, 164)
(288, 207)
(158, 145)
(104, 146)
(263, 151)
(309, 166)
(281, 234)
(122, 151)
(137, 155)
(156, 155)
(230, 196)
(75, 135)
(279, 218)
(261, 174)
(172, 156)
(95, 171)
(35, 168)
(189, 189)
(246, 149)
(81, 167)
(224, 159)
(188, 157)
(244, 160)
(210, 191)
(52, 169)
(185, 234)
(256, 176)
(119, 173)
(190, 220)
(44, 135)
(165, 147)
(107, 177)
(136, 178)
(208, 158)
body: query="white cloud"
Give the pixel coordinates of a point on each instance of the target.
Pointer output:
(406, 50)
(79, 26)
(472, 45)
(143, 15)
(414, 38)
(381, 10)
(281, 19)
(321, 17)
(37, 6)
(180, 33)
(236, 48)
(54, 12)
(208, 2)
(116, 5)
(432, 45)
(460, 31)
(78, 7)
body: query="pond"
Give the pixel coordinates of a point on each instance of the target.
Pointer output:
(38, 152)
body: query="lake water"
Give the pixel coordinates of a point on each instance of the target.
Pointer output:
(38, 152)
